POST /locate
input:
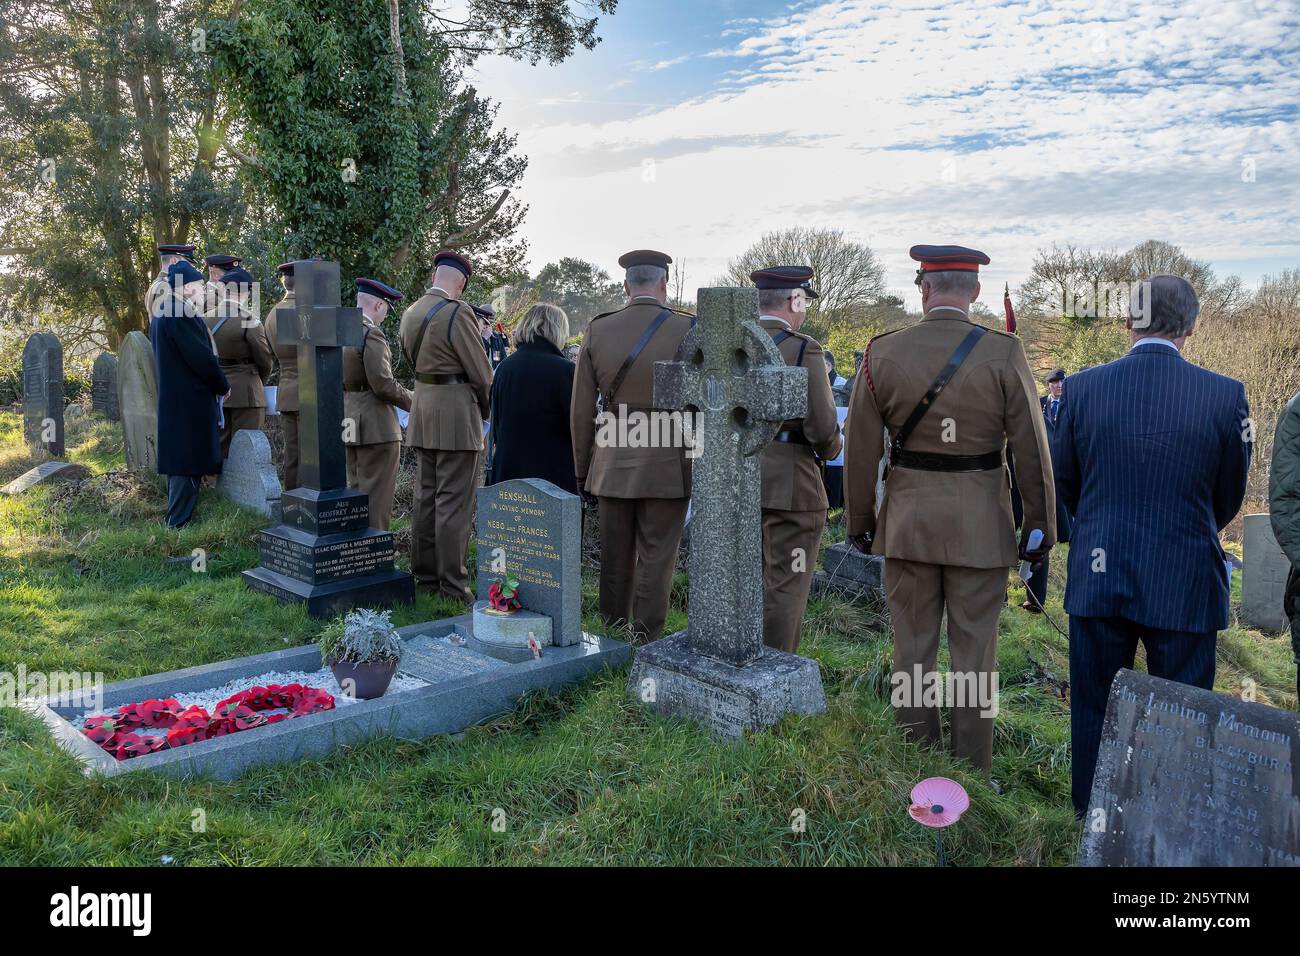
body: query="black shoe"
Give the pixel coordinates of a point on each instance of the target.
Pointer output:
(1031, 607)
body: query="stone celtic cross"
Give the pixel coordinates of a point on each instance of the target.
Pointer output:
(730, 371)
(321, 328)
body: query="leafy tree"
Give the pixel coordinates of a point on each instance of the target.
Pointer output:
(581, 288)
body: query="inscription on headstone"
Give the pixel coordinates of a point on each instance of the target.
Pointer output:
(248, 475)
(43, 393)
(1187, 777)
(534, 527)
(137, 385)
(1264, 572)
(103, 387)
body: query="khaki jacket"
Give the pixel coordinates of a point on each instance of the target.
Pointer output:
(618, 472)
(951, 518)
(245, 353)
(370, 392)
(792, 481)
(446, 417)
(286, 395)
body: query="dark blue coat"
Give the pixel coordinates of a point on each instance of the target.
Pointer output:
(531, 392)
(1151, 460)
(189, 383)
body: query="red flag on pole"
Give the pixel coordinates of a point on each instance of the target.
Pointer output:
(1006, 305)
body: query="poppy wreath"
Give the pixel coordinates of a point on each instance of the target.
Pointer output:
(243, 711)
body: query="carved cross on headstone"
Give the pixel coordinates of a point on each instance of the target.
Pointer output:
(730, 371)
(321, 329)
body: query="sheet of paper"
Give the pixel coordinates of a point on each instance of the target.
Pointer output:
(838, 460)
(271, 391)
(403, 416)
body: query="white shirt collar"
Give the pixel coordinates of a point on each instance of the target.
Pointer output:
(777, 318)
(441, 291)
(1153, 338)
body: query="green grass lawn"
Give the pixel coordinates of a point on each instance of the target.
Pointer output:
(90, 580)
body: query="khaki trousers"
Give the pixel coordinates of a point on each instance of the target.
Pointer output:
(639, 538)
(373, 469)
(917, 594)
(289, 429)
(238, 420)
(440, 524)
(791, 543)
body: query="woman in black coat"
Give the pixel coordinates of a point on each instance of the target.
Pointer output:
(531, 390)
(190, 386)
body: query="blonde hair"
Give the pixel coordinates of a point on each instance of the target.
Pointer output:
(544, 321)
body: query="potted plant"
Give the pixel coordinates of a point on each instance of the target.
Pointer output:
(503, 595)
(363, 651)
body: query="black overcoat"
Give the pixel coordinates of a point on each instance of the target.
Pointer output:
(190, 382)
(531, 391)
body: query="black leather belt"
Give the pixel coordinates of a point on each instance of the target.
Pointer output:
(233, 363)
(792, 437)
(932, 461)
(356, 388)
(428, 378)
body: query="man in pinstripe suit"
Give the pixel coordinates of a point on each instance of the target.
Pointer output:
(1151, 454)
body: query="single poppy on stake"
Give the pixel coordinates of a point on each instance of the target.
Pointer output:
(938, 802)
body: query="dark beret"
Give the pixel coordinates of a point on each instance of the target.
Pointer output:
(236, 277)
(454, 259)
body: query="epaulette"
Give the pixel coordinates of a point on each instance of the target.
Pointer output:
(607, 314)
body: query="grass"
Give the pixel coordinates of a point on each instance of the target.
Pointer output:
(90, 580)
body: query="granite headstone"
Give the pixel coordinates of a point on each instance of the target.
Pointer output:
(1188, 777)
(137, 385)
(43, 393)
(1264, 572)
(534, 529)
(46, 471)
(103, 387)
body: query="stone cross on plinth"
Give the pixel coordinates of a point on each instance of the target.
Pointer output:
(729, 373)
(321, 330)
(734, 377)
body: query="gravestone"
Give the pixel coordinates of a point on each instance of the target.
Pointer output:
(535, 529)
(324, 553)
(1263, 575)
(847, 571)
(248, 475)
(46, 471)
(1187, 777)
(137, 386)
(103, 387)
(718, 672)
(43, 393)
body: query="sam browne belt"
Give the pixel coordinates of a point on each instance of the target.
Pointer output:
(429, 378)
(933, 461)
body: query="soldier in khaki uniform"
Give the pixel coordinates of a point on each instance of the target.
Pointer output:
(643, 492)
(794, 495)
(168, 253)
(440, 339)
(245, 354)
(371, 433)
(952, 395)
(286, 393)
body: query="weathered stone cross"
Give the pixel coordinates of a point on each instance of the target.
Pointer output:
(321, 330)
(731, 372)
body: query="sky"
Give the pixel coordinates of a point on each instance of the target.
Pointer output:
(694, 127)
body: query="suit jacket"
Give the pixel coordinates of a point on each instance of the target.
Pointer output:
(1152, 463)
(446, 417)
(190, 381)
(286, 393)
(607, 469)
(531, 391)
(370, 393)
(246, 355)
(792, 481)
(951, 518)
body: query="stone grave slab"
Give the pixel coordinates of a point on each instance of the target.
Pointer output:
(1263, 575)
(43, 393)
(535, 528)
(103, 387)
(248, 476)
(463, 687)
(46, 471)
(851, 574)
(1187, 777)
(718, 672)
(137, 384)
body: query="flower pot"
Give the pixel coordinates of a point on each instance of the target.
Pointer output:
(369, 680)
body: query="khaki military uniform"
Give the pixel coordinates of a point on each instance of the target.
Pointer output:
(157, 289)
(247, 359)
(371, 434)
(794, 495)
(643, 492)
(947, 536)
(452, 383)
(286, 394)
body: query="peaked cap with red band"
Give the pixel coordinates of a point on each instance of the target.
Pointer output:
(946, 259)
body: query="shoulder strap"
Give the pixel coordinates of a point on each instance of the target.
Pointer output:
(632, 356)
(419, 336)
(940, 383)
(785, 334)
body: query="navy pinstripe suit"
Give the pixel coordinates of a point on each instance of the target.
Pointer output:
(1151, 460)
